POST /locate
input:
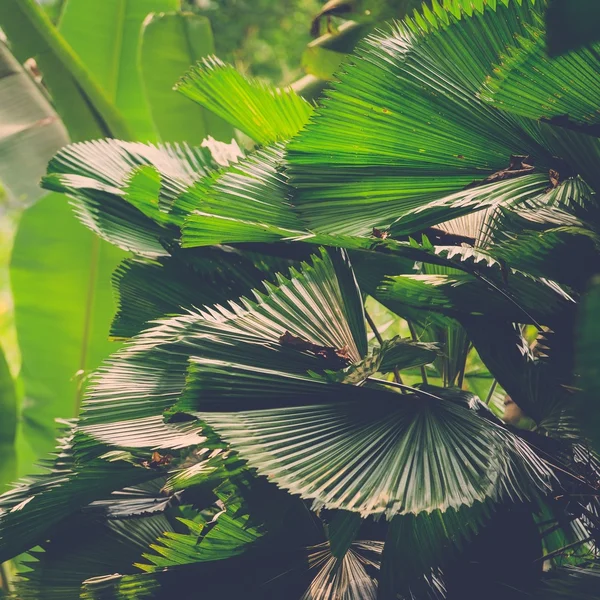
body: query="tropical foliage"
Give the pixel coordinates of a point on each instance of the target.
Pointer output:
(260, 434)
(104, 73)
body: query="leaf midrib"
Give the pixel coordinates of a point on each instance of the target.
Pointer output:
(117, 47)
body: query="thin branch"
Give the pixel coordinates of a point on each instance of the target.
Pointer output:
(413, 334)
(491, 392)
(550, 530)
(401, 386)
(373, 327)
(463, 368)
(507, 296)
(87, 322)
(5, 578)
(564, 549)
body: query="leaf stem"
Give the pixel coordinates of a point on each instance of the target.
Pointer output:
(564, 549)
(463, 366)
(413, 334)
(87, 322)
(4, 578)
(491, 392)
(403, 387)
(379, 339)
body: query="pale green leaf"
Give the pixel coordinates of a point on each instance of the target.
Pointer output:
(85, 107)
(60, 275)
(263, 112)
(171, 44)
(107, 40)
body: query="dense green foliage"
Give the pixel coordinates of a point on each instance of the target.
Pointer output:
(108, 74)
(263, 435)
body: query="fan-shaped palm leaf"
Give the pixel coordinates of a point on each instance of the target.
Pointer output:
(377, 150)
(265, 113)
(531, 84)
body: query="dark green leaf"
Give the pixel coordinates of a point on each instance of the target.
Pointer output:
(571, 24)
(531, 84)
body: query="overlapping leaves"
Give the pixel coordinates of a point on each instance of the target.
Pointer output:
(408, 145)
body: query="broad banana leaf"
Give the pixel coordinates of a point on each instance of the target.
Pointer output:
(9, 408)
(60, 276)
(53, 258)
(171, 44)
(85, 107)
(107, 39)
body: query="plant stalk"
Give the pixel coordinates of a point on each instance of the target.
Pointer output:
(413, 335)
(491, 392)
(379, 339)
(402, 386)
(5, 578)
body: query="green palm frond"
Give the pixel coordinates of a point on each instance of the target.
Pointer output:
(536, 385)
(571, 582)
(482, 198)
(352, 575)
(531, 84)
(249, 201)
(546, 243)
(59, 570)
(120, 189)
(148, 290)
(255, 189)
(404, 125)
(579, 151)
(255, 360)
(263, 112)
(40, 503)
(219, 538)
(417, 439)
(423, 543)
(462, 293)
(250, 440)
(587, 363)
(320, 306)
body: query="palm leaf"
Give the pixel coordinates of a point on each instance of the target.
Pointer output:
(121, 190)
(546, 243)
(461, 293)
(265, 113)
(238, 361)
(69, 559)
(133, 389)
(579, 152)
(404, 126)
(531, 84)
(221, 538)
(352, 575)
(248, 199)
(571, 582)
(36, 505)
(422, 544)
(149, 290)
(587, 364)
(534, 384)
(342, 456)
(486, 197)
